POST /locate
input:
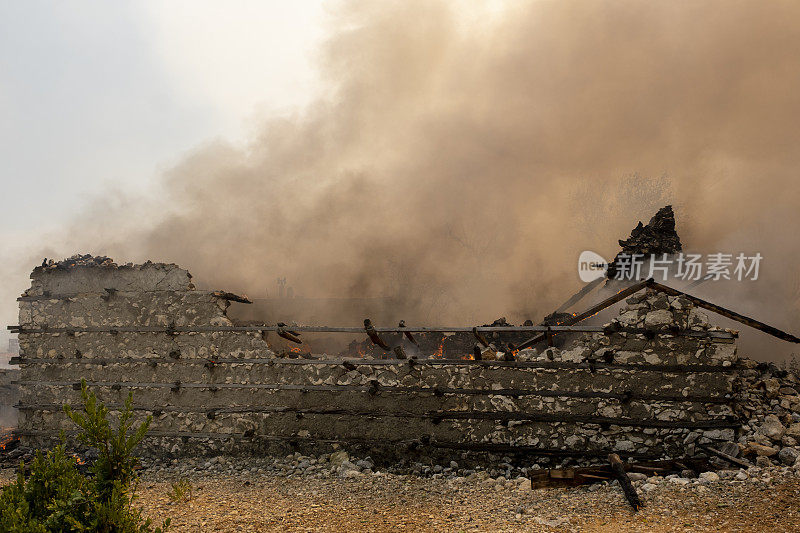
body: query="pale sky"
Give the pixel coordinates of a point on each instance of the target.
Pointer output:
(108, 94)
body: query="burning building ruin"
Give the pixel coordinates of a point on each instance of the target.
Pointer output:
(642, 385)
(637, 387)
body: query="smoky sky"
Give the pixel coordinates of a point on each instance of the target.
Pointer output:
(465, 164)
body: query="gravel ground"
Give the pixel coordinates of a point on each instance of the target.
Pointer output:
(343, 500)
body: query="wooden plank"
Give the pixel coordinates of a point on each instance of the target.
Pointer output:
(503, 416)
(300, 329)
(437, 391)
(544, 365)
(727, 313)
(621, 295)
(452, 445)
(578, 296)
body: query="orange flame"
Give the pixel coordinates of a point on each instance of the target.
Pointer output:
(7, 437)
(439, 351)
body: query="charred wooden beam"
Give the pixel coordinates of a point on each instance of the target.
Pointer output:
(305, 329)
(391, 390)
(553, 365)
(624, 481)
(224, 295)
(504, 416)
(451, 445)
(373, 335)
(727, 313)
(727, 457)
(481, 339)
(408, 335)
(621, 295)
(289, 335)
(578, 296)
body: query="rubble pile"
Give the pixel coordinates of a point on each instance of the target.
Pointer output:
(769, 406)
(79, 260)
(657, 237)
(648, 310)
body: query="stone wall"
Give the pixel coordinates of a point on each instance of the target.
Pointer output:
(641, 388)
(9, 395)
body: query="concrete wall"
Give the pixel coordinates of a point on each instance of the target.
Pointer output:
(641, 388)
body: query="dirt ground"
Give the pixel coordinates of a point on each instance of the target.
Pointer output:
(382, 502)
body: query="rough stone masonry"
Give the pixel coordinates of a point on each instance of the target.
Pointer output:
(657, 374)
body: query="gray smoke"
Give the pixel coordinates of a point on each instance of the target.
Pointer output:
(465, 164)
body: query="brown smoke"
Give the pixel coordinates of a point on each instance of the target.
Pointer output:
(463, 163)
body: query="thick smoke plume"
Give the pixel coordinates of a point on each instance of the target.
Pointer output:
(464, 160)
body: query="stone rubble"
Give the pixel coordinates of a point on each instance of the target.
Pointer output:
(769, 406)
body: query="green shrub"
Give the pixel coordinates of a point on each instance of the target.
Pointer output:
(57, 497)
(181, 491)
(50, 500)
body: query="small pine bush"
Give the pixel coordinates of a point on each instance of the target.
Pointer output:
(57, 497)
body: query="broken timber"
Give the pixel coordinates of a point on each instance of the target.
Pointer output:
(727, 313)
(571, 477)
(731, 459)
(621, 295)
(650, 283)
(624, 481)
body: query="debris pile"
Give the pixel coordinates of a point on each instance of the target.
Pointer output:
(648, 310)
(656, 238)
(769, 406)
(79, 260)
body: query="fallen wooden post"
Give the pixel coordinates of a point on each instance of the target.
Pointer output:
(722, 455)
(624, 481)
(570, 477)
(578, 296)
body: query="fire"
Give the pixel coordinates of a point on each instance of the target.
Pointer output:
(439, 351)
(7, 438)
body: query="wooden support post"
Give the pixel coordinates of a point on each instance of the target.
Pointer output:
(373, 335)
(481, 339)
(476, 353)
(408, 335)
(624, 481)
